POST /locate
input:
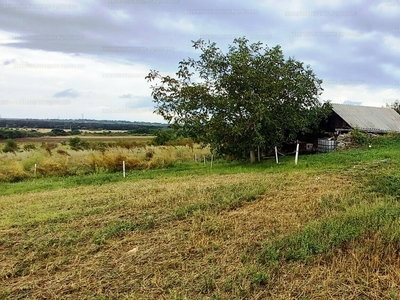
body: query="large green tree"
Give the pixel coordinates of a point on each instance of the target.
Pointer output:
(249, 96)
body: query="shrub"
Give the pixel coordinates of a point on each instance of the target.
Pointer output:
(76, 143)
(359, 137)
(58, 132)
(75, 132)
(11, 146)
(164, 135)
(14, 172)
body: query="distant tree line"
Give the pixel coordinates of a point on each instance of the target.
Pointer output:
(15, 134)
(20, 128)
(135, 127)
(7, 133)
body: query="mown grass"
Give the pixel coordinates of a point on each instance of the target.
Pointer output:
(326, 162)
(329, 234)
(327, 228)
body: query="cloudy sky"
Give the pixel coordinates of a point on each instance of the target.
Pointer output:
(74, 59)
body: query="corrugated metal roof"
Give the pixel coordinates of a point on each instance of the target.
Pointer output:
(366, 118)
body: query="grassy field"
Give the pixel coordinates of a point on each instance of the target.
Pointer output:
(327, 228)
(59, 139)
(90, 155)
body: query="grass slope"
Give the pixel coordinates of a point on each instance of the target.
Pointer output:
(325, 229)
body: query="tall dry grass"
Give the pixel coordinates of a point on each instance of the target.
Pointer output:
(53, 159)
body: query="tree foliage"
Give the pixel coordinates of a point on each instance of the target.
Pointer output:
(6, 133)
(396, 106)
(163, 136)
(250, 96)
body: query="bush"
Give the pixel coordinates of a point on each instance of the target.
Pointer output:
(164, 136)
(16, 172)
(359, 137)
(75, 132)
(11, 146)
(58, 132)
(76, 143)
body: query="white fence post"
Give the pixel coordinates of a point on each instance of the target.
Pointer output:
(297, 154)
(123, 169)
(276, 155)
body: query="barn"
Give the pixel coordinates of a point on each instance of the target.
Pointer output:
(345, 117)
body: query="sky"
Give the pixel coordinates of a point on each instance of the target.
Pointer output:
(88, 59)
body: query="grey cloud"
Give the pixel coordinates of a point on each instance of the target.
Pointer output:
(144, 36)
(69, 93)
(104, 29)
(126, 96)
(9, 62)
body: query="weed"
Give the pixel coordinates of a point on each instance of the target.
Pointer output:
(63, 152)
(149, 155)
(29, 147)
(115, 229)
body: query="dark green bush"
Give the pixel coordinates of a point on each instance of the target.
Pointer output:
(11, 146)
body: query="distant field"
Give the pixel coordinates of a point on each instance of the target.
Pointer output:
(29, 135)
(45, 130)
(327, 228)
(58, 139)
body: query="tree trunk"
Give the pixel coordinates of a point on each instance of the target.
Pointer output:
(252, 156)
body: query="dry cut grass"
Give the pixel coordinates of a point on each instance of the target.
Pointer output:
(366, 269)
(191, 237)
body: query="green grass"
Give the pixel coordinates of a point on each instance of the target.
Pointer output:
(375, 209)
(184, 232)
(329, 234)
(334, 161)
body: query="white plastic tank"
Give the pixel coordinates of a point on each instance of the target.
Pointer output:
(325, 145)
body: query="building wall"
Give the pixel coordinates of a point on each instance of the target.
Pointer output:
(335, 121)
